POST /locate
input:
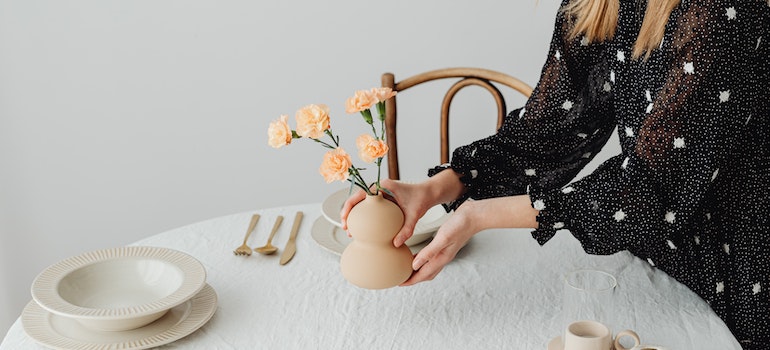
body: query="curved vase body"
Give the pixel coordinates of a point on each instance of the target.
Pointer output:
(371, 261)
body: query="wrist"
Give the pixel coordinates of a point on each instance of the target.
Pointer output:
(444, 187)
(475, 215)
(500, 212)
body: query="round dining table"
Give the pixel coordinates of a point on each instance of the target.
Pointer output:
(502, 291)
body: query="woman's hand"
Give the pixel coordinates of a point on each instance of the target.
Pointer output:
(413, 199)
(451, 236)
(470, 218)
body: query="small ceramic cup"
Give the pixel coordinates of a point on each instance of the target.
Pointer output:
(592, 335)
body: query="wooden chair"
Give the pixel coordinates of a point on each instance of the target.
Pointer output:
(467, 77)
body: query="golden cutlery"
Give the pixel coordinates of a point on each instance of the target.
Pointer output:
(245, 249)
(291, 245)
(268, 248)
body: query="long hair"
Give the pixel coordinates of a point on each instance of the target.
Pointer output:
(598, 20)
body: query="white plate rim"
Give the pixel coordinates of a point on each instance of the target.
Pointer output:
(44, 287)
(430, 222)
(323, 232)
(35, 322)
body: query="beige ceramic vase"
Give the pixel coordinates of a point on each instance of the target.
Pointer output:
(371, 261)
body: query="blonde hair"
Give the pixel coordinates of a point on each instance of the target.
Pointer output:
(598, 20)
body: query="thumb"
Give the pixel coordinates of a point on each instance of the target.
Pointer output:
(407, 230)
(426, 254)
(348, 205)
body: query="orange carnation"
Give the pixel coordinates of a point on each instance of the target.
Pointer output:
(312, 121)
(335, 165)
(382, 94)
(370, 148)
(362, 100)
(279, 133)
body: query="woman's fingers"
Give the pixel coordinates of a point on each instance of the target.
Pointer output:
(431, 251)
(423, 275)
(431, 260)
(449, 239)
(409, 199)
(349, 203)
(410, 222)
(358, 196)
(429, 265)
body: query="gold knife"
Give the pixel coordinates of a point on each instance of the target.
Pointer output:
(291, 245)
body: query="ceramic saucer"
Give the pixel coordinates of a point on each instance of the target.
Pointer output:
(329, 236)
(59, 332)
(331, 206)
(335, 239)
(555, 344)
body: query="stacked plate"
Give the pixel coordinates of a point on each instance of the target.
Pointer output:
(119, 298)
(327, 231)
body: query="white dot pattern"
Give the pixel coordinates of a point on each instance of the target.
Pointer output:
(688, 152)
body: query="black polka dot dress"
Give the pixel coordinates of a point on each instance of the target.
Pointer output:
(690, 192)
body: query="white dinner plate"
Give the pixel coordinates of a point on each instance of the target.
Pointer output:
(426, 226)
(335, 239)
(58, 332)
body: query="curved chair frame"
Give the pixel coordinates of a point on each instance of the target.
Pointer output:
(468, 77)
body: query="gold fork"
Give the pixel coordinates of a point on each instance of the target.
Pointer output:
(245, 249)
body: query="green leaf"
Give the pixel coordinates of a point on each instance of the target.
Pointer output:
(352, 185)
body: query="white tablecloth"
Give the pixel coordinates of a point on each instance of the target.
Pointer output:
(503, 291)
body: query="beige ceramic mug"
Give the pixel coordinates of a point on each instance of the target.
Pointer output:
(592, 335)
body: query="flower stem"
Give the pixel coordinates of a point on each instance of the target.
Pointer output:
(331, 135)
(359, 180)
(324, 143)
(355, 182)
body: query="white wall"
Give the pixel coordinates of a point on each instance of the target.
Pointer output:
(122, 119)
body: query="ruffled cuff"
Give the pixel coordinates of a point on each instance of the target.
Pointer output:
(551, 217)
(465, 178)
(486, 169)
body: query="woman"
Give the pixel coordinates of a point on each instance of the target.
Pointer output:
(686, 85)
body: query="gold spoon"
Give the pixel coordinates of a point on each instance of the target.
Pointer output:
(268, 248)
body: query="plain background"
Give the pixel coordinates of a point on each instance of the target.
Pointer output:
(123, 119)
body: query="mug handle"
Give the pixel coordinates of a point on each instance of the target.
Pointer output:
(624, 333)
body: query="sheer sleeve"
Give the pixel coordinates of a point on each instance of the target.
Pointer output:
(564, 123)
(679, 146)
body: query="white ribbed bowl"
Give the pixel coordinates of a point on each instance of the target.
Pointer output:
(119, 289)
